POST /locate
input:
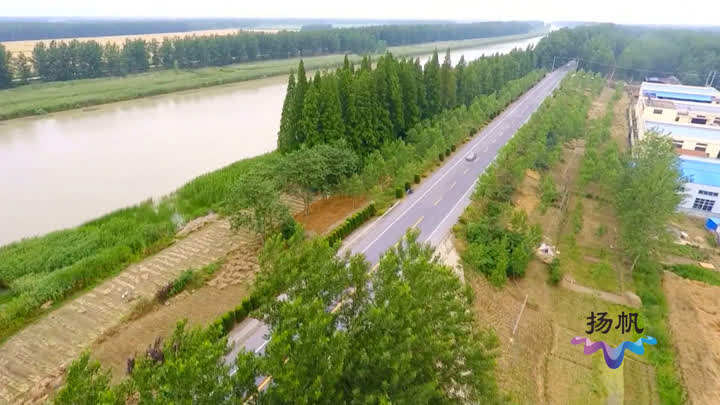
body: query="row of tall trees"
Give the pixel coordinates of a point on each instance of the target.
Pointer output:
(61, 60)
(368, 106)
(636, 52)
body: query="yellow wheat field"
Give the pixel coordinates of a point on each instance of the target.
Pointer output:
(26, 47)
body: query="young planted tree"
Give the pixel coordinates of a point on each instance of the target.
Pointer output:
(304, 171)
(320, 169)
(648, 193)
(5, 74)
(23, 68)
(256, 203)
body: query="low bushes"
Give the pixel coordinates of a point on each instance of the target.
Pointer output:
(555, 271)
(351, 224)
(228, 320)
(697, 273)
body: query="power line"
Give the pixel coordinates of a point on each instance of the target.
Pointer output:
(629, 68)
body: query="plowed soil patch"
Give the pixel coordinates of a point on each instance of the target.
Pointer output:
(328, 212)
(694, 313)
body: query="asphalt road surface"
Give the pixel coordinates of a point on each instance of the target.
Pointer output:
(433, 207)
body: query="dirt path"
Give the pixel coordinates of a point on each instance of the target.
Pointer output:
(619, 299)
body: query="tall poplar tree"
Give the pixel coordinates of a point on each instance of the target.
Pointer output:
(286, 135)
(307, 131)
(301, 87)
(5, 76)
(421, 88)
(408, 88)
(447, 83)
(460, 82)
(331, 124)
(432, 86)
(363, 136)
(23, 68)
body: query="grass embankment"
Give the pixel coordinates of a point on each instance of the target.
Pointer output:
(41, 98)
(47, 270)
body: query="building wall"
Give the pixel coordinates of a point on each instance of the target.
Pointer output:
(645, 112)
(693, 192)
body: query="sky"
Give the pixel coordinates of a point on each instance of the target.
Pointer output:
(617, 11)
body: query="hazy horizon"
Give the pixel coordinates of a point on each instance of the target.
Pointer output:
(612, 11)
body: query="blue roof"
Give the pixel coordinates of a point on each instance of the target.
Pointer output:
(708, 134)
(701, 171)
(680, 89)
(677, 96)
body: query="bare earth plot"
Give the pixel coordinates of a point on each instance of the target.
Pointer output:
(694, 312)
(230, 284)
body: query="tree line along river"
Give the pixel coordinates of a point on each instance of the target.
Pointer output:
(62, 169)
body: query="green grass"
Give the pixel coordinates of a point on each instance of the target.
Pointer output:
(208, 192)
(53, 267)
(648, 284)
(691, 252)
(40, 98)
(696, 273)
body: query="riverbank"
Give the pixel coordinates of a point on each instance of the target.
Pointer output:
(42, 98)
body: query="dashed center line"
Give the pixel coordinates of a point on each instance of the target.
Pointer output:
(418, 221)
(453, 185)
(466, 170)
(437, 202)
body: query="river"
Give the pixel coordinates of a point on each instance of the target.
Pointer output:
(62, 169)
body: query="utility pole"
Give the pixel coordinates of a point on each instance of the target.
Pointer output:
(713, 78)
(553, 67)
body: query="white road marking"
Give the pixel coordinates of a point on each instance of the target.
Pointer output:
(451, 210)
(263, 345)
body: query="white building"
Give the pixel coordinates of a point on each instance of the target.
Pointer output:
(703, 187)
(689, 114)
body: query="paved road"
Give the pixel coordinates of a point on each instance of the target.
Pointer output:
(435, 205)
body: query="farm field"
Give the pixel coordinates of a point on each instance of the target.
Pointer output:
(694, 314)
(26, 47)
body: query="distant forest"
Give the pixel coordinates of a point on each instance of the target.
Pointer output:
(26, 28)
(60, 60)
(634, 52)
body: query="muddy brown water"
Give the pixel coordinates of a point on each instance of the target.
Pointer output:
(62, 169)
